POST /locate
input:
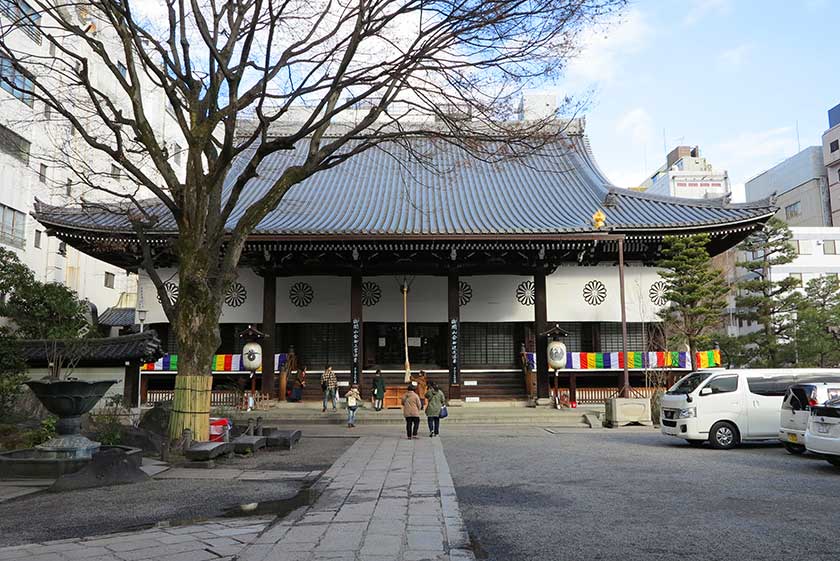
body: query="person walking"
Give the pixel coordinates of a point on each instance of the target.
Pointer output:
(353, 398)
(435, 401)
(378, 390)
(411, 411)
(329, 385)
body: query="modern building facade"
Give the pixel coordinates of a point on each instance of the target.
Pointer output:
(800, 185)
(687, 174)
(35, 145)
(493, 253)
(831, 156)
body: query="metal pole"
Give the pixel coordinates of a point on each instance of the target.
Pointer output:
(625, 379)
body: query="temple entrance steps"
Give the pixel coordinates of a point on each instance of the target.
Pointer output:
(295, 414)
(490, 385)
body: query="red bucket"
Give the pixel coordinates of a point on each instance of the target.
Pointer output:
(218, 428)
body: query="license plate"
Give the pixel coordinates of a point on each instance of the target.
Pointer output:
(822, 428)
(793, 438)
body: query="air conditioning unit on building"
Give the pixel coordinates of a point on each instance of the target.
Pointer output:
(622, 411)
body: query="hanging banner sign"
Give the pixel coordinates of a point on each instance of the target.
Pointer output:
(355, 369)
(454, 328)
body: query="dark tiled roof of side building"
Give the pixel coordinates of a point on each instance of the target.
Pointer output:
(385, 192)
(107, 351)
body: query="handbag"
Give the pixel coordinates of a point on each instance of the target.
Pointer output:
(443, 412)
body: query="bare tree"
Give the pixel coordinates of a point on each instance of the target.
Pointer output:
(246, 78)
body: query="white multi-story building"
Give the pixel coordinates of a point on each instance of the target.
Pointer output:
(831, 155)
(38, 153)
(817, 255)
(801, 187)
(687, 174)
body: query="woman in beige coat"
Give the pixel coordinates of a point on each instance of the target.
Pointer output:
(411, 411)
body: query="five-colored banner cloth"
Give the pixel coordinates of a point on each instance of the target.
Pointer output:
(637, 360)
(221, 363)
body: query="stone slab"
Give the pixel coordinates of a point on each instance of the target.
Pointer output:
(208, 450)
(248, 444)
(280, 438)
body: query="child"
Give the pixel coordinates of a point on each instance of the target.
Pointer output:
(353, 397)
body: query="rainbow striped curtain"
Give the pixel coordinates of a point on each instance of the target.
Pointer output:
(636, 360)
(221, 363)
(707, 359)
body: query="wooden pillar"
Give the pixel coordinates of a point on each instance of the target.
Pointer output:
(572, 386)
(624, 385)
(454, 316)
(144, 388)
(540, 327)
(269, 322)
(131, 384)
(356, 331)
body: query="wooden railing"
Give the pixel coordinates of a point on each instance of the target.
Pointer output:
(600, 395)
(217, 398)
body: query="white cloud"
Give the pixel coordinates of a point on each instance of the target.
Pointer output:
(736, 57)
(637, 125)
(750, 153)
(603, 46)
(701, 9)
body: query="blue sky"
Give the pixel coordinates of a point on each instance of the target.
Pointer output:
(732, 76)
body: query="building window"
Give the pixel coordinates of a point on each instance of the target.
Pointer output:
(38, 234)
(68, 188)
(47, 112)
(834, 276)
(42, 173)
(176, 154)
(52, 50)
(12, 227)
(62, 249)
(798, 277)
(794, 210)
(115, 172)
(834, 146)
(109, 280)
(122, 69)
(14, 145)
(14, 82)
(829, 247)
(25, 17)
(803, 247)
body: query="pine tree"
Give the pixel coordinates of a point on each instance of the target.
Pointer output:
(815, 346)
(695, 289)
(769, 302)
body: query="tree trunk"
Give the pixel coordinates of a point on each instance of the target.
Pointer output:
(196, 328)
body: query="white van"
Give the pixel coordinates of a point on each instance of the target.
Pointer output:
(727, 407)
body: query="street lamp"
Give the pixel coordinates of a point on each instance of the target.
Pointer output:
(141, 317)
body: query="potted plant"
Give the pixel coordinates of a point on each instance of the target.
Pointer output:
(48, 321)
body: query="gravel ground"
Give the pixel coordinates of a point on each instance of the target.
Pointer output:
(51, 516)
(634, 494)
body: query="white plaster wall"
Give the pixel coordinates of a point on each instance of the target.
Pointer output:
(565, 294)
(426, 302)
(494, 299)
(330, 300)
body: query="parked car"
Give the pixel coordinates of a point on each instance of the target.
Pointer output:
(727, 407)
(796, 410)
(823, 433)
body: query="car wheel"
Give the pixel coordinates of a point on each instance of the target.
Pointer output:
(833, 460)
(795, 449)
(724, 435)
(695, 443)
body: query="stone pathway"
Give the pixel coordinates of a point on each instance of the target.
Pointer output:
(218, 540)
(385, 499)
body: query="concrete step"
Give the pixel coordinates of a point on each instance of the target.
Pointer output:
(457, 415)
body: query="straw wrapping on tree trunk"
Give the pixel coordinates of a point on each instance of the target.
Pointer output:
(191, 407)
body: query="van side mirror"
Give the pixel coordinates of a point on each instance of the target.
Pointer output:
(706, 391)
